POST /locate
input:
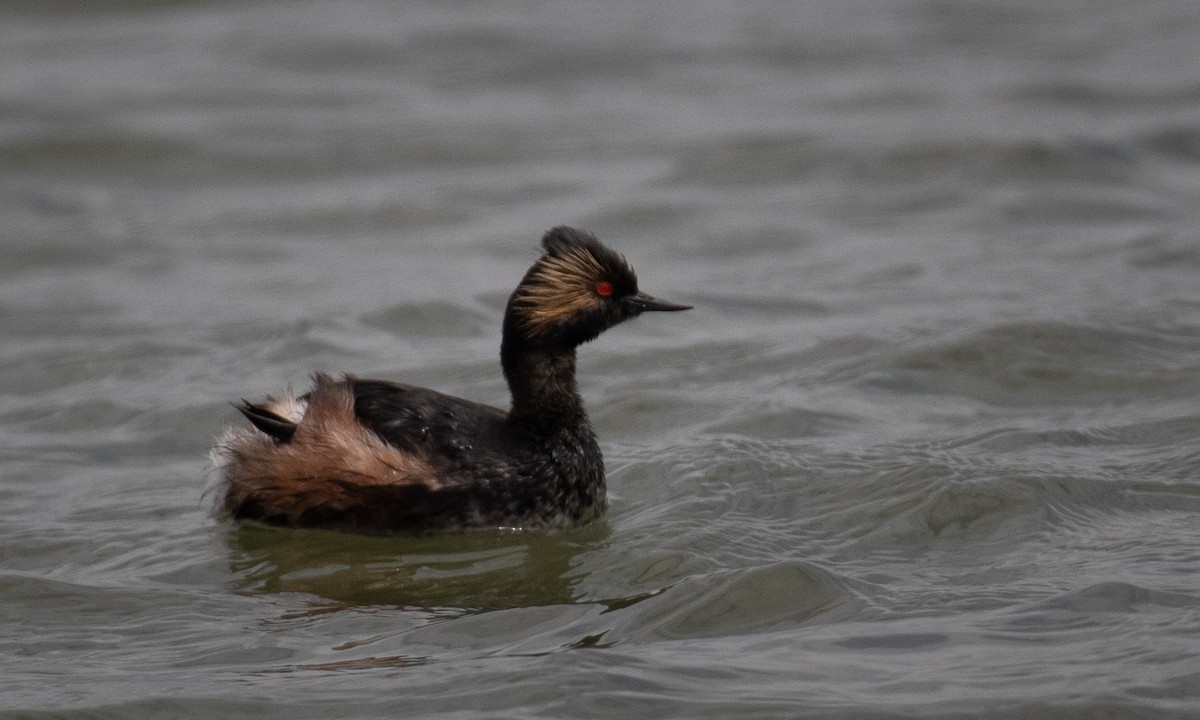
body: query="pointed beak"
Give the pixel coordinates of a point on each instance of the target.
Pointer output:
(641, 302)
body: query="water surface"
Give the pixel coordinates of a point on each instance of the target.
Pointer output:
(926, 447)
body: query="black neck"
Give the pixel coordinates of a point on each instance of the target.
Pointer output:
(542, 381)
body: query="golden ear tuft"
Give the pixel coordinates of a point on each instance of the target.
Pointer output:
(556, 287)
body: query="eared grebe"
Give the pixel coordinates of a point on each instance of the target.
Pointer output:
(380, 457)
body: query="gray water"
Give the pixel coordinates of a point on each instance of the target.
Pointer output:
(928, 446)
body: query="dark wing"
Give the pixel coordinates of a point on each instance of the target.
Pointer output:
(268, 421)
(407, 509)
(423, 421)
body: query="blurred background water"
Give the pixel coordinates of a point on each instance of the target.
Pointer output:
(927, 447)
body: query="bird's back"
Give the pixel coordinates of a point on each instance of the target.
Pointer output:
(375, 456)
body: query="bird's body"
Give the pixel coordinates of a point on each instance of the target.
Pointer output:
(375, 456)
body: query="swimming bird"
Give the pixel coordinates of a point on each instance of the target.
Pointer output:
(380, 457)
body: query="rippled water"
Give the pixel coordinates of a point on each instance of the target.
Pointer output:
(927, 447)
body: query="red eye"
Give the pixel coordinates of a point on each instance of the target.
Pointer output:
(604, 288)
